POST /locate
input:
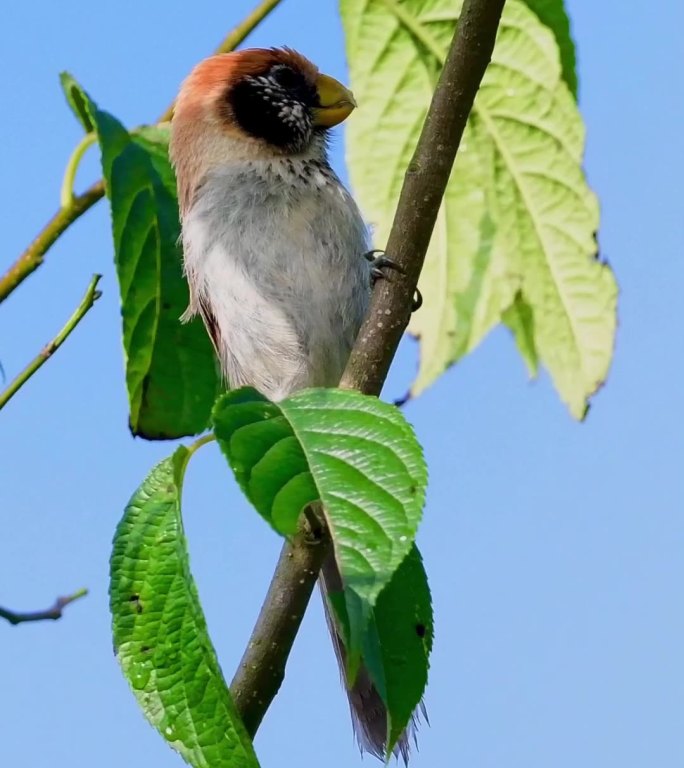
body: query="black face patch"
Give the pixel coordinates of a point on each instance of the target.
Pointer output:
(276, 106)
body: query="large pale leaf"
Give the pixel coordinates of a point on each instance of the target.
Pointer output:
(170, 367)
(553, 15)
(160, 635)
(515, 236)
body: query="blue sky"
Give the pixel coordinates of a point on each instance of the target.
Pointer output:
(555, 550)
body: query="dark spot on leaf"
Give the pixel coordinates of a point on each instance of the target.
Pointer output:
(145, 649)
(420, 630)
(166, 305)
(136, 600)
(412, 489)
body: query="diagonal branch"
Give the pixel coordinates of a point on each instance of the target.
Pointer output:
(34, 255)
(90, 297)
(262, 668)
(377, 342)
(50, 614)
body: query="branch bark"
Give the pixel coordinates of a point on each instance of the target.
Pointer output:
(34, 255)
(90, 297)
(262, 668)
(50, 614)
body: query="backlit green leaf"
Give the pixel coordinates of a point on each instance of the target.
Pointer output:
(515, 236)
(553, 15)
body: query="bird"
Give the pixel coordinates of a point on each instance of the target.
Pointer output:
(275, 250)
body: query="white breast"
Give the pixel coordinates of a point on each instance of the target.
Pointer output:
(274, 250)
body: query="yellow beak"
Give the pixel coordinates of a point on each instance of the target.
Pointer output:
(337, 102)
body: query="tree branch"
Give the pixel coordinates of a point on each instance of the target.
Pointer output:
(91, 296)
(50, 614)
(34, 255)
(262, 668)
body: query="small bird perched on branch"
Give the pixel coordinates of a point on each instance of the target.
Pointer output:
(275, 249)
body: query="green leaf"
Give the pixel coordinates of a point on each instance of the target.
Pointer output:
(404, 625)
(154, 139)
(160, 634)
(397, 645)
(171, 373)
(553, 15)
(75, 99)
(518, 221)
(355, 453)
(520, 319)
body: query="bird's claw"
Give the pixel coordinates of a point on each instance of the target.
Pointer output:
(379, 261)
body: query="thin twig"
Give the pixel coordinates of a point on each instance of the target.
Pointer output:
(263, 664)
(50, 614)
(236, 36)
(91, 296)
(34, 254)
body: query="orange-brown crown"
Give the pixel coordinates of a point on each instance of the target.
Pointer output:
(210, 79)
(199, 125)
(236, 106)
(224, 68)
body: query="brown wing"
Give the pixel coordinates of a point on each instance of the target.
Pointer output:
(211, 324)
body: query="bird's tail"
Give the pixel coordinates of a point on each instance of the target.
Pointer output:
(368, 711)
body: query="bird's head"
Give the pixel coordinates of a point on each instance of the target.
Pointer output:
(251, 104)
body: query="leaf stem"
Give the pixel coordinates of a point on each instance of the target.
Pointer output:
(66, 196)
(34, 255)
(90, 297)
(50, 614)
(190, 451)
(262, 668)
(209, 438)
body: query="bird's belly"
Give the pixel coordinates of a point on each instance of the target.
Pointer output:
(288, 318)
(280, 265)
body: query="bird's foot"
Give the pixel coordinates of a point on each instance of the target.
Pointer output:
(379, 261)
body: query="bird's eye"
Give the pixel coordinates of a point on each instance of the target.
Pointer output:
(286, 77)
